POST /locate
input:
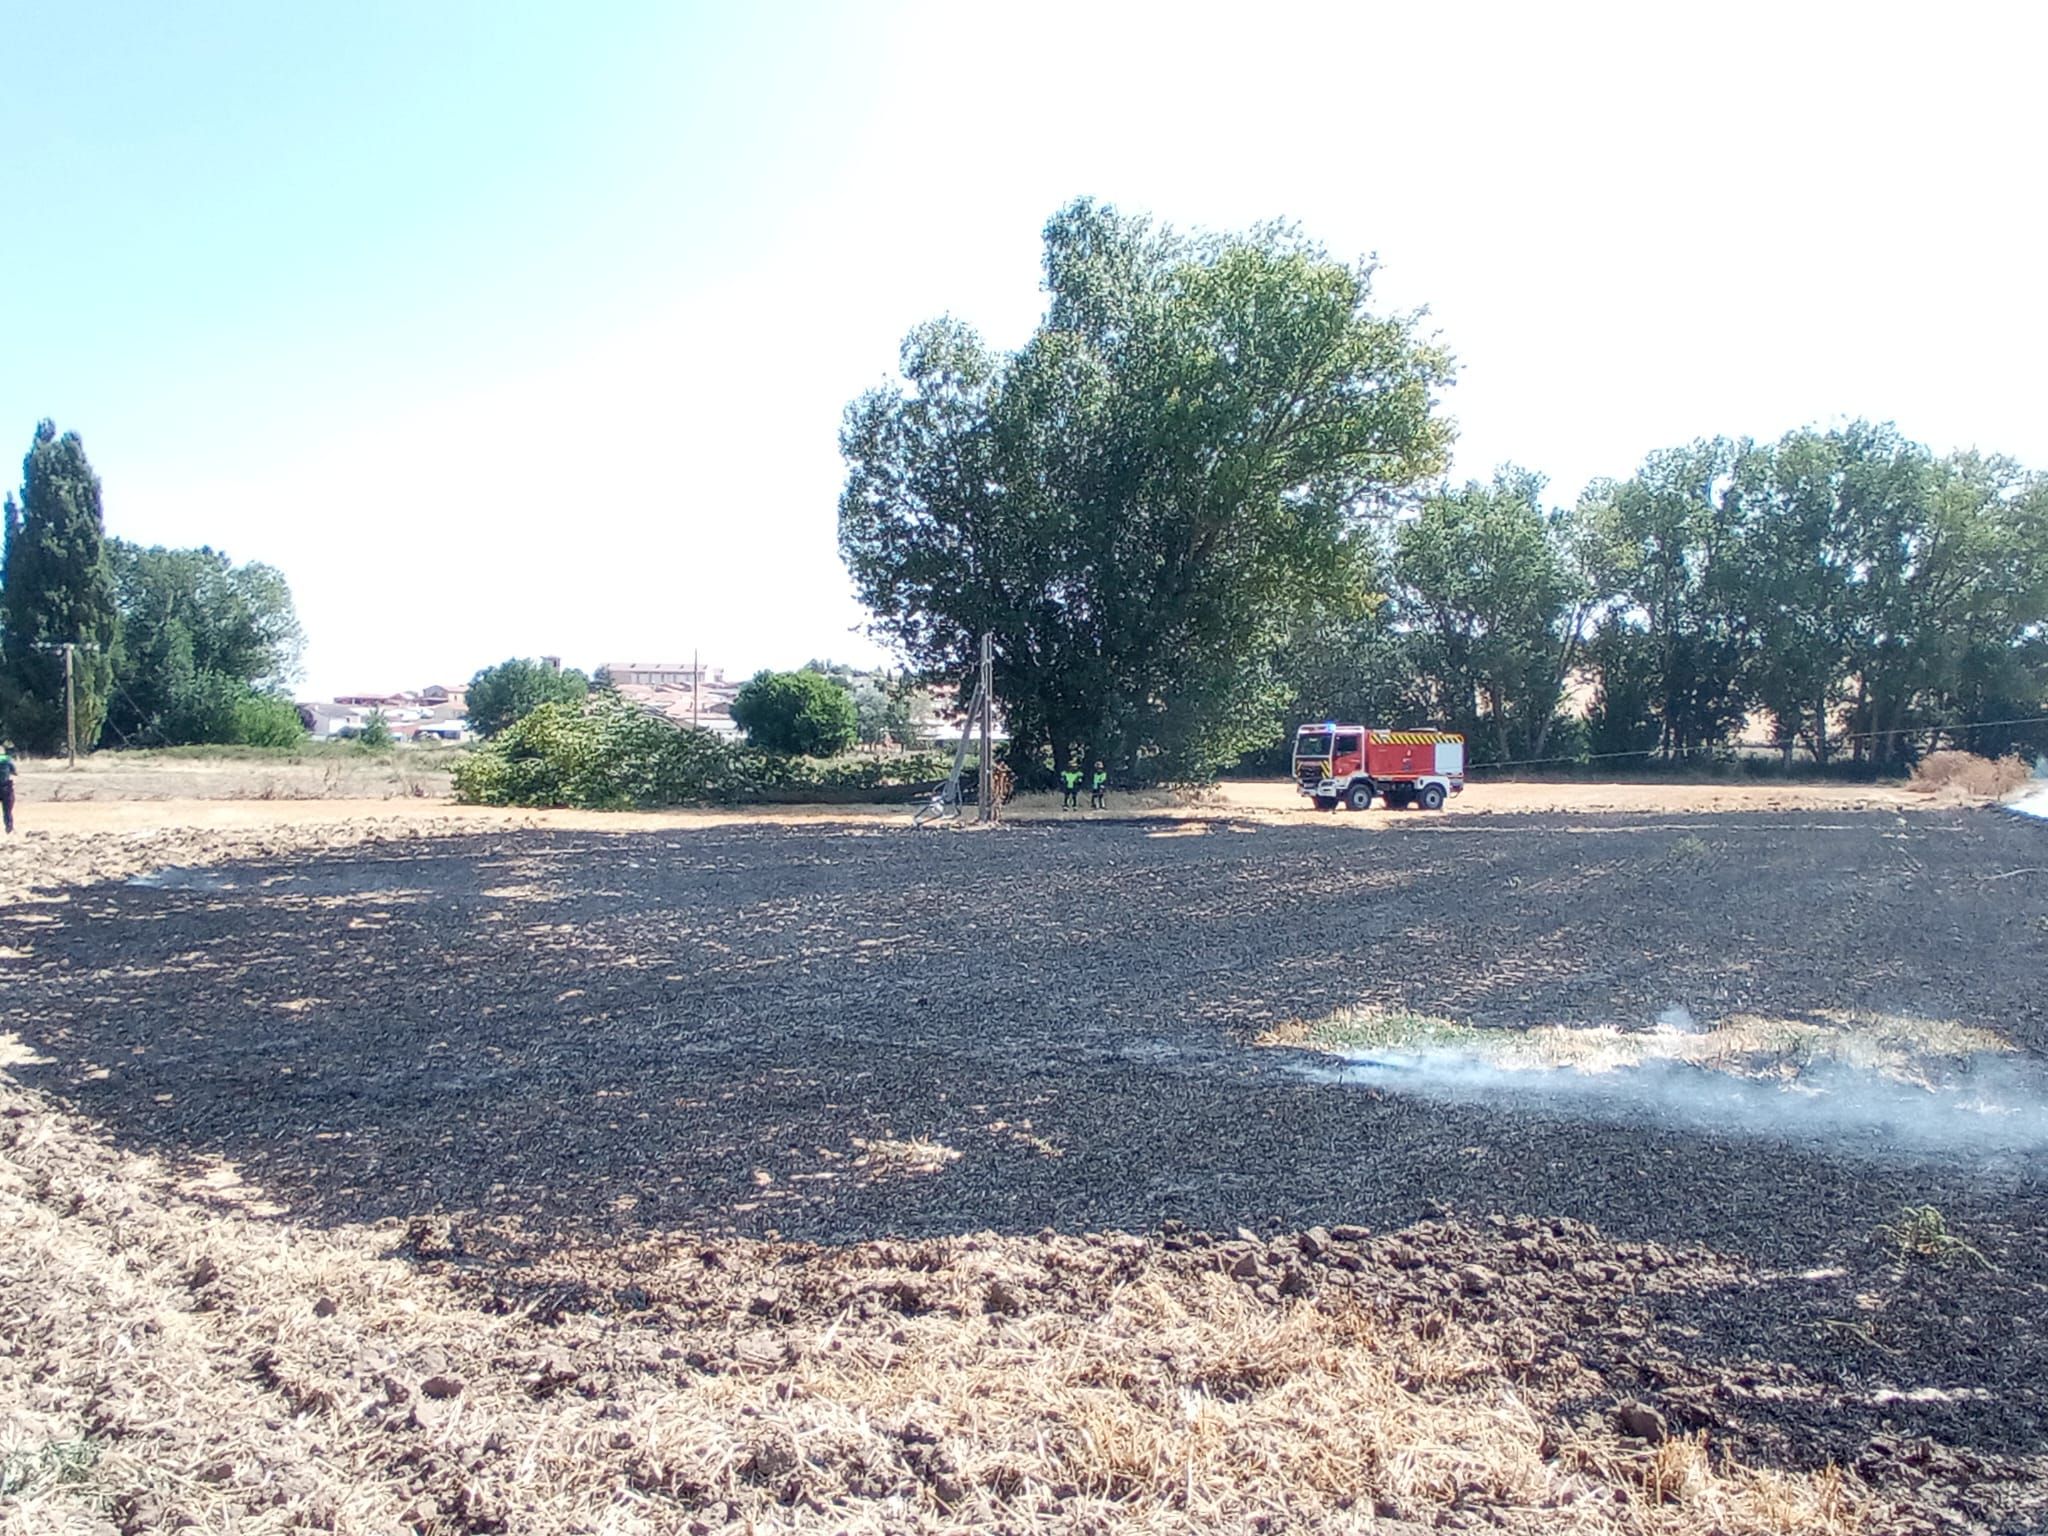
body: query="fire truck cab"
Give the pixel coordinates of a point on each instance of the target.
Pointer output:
(1351, 764)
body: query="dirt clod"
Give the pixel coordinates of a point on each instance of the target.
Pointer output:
(1641, 1421)
(1477, 1280)
(1000, 1301)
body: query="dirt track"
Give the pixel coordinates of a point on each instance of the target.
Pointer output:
(110, 824)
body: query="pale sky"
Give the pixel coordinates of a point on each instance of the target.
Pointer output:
(526, 328)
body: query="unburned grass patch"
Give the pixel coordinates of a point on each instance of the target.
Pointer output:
(1369, 1028)
(897, 1155)
(1989, 778)
(29, 1468)
(1901, 1047)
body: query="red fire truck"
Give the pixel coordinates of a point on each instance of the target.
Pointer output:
(1349, 764)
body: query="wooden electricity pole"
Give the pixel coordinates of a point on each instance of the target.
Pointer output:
(70, 712)
(985, 799)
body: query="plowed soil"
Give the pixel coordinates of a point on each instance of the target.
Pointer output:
(559, 1059)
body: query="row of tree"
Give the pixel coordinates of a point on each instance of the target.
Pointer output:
(1198, 503)
(1856, 590)
(167, 646)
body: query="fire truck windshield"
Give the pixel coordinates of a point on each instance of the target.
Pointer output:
(1312, 744)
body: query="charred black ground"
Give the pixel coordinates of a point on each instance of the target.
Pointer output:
(586, 1035)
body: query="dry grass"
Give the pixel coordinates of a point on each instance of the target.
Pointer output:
(889, 1155)
(316, 770)
(172, 1362)
(1984, 777)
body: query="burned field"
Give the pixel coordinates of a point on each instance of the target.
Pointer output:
(605, 1034)
(529, 1051)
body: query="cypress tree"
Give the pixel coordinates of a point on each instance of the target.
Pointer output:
(55, 587)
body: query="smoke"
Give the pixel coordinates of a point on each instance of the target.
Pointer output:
(1859, 1093)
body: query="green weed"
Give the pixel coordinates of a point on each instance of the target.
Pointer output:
(59, 1464)
(1921, 1232)
(1379, 1029)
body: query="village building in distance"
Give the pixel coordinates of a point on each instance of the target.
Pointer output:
(437, 712)
(683, 693)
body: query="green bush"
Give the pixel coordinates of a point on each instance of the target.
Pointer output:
(603, 756)
(376, 733)
(213, 709)
(265, 720)
(201, 709)
(608, 755)
(769, 777)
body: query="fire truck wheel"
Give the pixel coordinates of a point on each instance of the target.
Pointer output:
(1326, 802)
(1432, 797)
(1360, 798)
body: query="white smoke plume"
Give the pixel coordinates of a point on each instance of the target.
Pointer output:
(1881, 1086)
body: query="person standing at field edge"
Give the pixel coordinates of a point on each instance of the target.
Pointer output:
(1070, 789)
(1098, 786)
(7, 782)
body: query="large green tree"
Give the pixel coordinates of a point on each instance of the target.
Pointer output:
(803, 713)
(1847, 578)
(515, 688)
(1670, 551)
(1797, 563)
(1951, 597)
(1484, 580)
(56, 589)
(1143, 502)
(199, 636)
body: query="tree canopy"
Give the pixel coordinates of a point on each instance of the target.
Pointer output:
(206, 649)
(515, 688)
(1483, 576)
(802, 713)
(1139, 503)
(1856, 589)
(1849, 583)
(56, 588)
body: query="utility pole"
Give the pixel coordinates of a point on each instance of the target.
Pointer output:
(70, 711)
(696, 686)
(985, 799)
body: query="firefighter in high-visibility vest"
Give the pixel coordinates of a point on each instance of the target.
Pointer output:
(1098, 785)
(1070, 789)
